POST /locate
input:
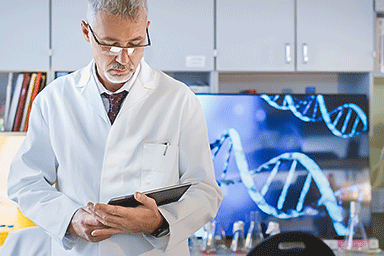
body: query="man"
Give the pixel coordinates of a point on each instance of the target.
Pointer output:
(78, 141)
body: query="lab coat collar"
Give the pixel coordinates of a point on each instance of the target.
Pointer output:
(145, 83)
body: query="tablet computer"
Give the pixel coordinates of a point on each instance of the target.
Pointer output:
(162, 196)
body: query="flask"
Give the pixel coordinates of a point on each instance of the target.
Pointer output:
(273, 228)
(220, 239)
(237, 245)
(356, 240)
(254, 234)
(194, 243)
(209, 246)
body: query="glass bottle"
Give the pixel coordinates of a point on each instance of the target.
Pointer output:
(238, 241)
(209, 246)
(356, 240)
(254, 234)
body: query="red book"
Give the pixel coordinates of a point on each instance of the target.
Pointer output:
(20, 106)
(34, 93)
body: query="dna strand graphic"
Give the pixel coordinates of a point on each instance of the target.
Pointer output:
(247, 176)
(347, 120)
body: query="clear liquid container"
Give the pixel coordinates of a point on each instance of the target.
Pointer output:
(238, 240)
(254, 234)
(209, 245)
(356, 240)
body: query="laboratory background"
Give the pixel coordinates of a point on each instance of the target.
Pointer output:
(292, 92)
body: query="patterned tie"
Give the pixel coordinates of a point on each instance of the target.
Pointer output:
(115, 101)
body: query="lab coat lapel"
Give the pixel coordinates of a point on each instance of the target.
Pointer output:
(143, 86)
(88, 89)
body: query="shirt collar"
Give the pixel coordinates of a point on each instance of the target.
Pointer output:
(126, 87)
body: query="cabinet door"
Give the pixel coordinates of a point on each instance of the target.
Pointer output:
(24, 34)
(69, 48)
(255, 35)
(335, 35)
(181, 35)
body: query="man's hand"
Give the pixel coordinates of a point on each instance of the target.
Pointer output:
(145, 218)
(83, 223)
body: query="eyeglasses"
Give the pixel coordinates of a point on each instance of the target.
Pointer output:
(115, 50)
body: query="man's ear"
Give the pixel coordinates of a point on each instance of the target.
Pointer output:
(85, 30)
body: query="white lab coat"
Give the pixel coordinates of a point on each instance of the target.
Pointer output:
(71, 142)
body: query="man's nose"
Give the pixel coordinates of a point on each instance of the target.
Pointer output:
(123, 57)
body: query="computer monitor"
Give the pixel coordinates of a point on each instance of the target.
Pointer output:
(296, 159)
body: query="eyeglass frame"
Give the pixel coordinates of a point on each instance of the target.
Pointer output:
(121, 48)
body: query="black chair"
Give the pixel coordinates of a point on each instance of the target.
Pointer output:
(294, 243)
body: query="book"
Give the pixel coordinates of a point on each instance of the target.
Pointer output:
(61, 73)
(43, 82)
(34, 94)
(28, 98)
(14, 102)
(20, 105)
(8, 99)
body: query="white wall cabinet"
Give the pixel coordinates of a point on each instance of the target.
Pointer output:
(182, 35)
(24, 30)
(301, 35)
(335, 35)
(255, 35)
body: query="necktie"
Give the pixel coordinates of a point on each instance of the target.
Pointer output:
(115, 101)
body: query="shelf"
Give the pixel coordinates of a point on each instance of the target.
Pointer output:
(6, 134)
(378, 75)
(345, 163)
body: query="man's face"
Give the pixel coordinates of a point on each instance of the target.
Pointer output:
(114, 69)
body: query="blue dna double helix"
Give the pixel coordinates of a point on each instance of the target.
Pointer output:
(247, 177)
(347, 120)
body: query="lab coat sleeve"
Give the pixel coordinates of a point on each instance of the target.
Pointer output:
(31, 175)
(201, 202)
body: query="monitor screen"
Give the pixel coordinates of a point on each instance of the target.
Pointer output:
(298, 160)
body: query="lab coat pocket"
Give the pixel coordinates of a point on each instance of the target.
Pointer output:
(159, 165)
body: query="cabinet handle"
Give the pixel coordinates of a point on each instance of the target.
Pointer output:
(305, 53)
(288, 53)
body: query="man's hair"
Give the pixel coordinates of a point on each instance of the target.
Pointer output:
(131, 9)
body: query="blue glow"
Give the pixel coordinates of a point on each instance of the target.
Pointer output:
(264, 133)
(327, 199)
(295, 105)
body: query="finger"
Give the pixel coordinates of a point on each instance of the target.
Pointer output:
(105, 232)
(96, 239)
(109, 209)
(89, 208)
(88, 219)
(108, 219)
(145, 200)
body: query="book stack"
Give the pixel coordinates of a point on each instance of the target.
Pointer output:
(22, 89)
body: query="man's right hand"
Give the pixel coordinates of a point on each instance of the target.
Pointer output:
(82, 225)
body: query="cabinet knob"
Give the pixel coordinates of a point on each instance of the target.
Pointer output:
(288, 58)
(305, 53)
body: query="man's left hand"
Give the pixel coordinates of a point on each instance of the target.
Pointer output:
(144, 218)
